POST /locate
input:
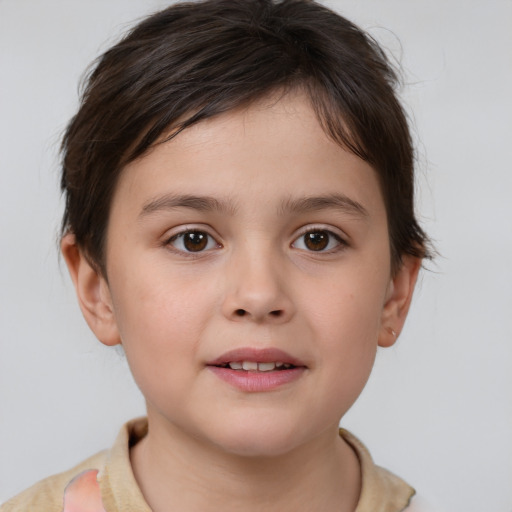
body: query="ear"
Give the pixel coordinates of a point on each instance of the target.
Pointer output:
(92, 291)
(398, 300)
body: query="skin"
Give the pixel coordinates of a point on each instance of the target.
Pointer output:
(211, 445)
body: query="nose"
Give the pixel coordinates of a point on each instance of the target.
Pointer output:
(257, 289)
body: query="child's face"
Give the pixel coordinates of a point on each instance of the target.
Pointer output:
(207, 253)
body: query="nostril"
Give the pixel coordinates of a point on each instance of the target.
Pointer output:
(242, 312)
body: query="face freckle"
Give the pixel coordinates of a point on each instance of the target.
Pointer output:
(253, 183)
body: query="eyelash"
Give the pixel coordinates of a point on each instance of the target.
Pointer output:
(211, 243)
(331, 236)
(180, 237)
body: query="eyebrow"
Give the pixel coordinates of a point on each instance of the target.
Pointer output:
(318, 203)
(199, 203)
(212, 204)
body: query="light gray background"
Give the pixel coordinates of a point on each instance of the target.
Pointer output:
(438, 408)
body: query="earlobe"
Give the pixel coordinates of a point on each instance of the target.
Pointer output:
(398, 301)
(92, 292)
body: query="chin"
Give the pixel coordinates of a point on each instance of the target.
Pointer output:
(257, 440)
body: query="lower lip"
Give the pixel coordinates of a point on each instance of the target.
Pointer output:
(253, 381)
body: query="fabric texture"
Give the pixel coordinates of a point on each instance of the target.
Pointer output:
(105, 483)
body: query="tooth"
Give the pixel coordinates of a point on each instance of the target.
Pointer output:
(249, 365)
(235, 366)
(279, 364)
(266, 367)
(286, 365)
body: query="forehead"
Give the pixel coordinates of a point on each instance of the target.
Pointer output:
(272, 150)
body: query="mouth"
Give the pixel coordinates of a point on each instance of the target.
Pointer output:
(257, 370)
(257, 360)
(254, 366)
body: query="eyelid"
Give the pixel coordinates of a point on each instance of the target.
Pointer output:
(182, 230)
(336, 233)
(321, 227)
(185, 228)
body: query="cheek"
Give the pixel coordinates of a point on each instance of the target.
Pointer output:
(160, 319)
(350, 335)
(347, 307)
(151, 297)
(348, 353)
(345, 319)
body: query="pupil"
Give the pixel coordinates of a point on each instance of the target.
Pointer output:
(316, 241)
(195, 241)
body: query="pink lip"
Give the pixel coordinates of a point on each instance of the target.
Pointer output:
(254, 381)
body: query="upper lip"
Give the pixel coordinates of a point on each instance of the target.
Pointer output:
(259, 355)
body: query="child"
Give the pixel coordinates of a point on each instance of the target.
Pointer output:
(240, 218)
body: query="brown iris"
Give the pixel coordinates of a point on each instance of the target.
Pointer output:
(316, 240)
(195, 241)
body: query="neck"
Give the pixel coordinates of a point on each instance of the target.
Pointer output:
(172, 468)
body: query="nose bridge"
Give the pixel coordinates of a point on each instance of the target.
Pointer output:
(255, 282)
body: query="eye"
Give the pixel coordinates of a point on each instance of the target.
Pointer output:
(193, 241)
(318, 240)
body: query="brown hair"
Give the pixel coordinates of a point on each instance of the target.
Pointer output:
(195, 60)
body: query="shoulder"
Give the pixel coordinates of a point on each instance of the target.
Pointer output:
(48, 494)
(382, 490)
(104, 481)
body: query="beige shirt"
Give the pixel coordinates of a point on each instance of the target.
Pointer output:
(105, 483)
